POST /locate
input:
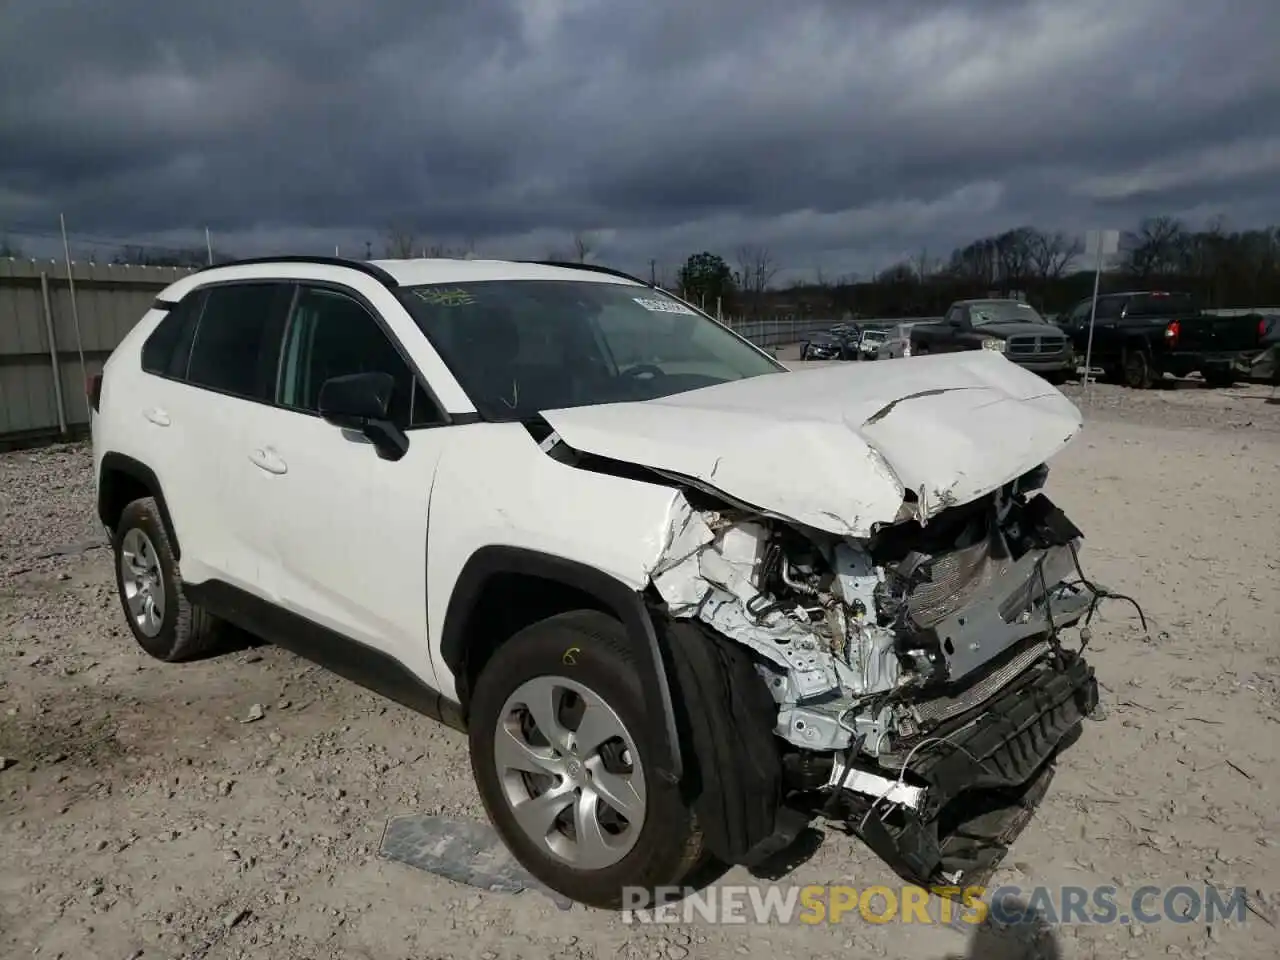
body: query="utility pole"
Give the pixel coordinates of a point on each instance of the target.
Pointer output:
(653, 272)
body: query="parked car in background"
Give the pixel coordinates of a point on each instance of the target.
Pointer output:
(1268, 328)
(830, 345)
(869, 343)
(1266, 366)
(1140, 336)
(1010, 327)
(897, 344)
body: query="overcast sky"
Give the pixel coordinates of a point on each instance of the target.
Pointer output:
(843, 134)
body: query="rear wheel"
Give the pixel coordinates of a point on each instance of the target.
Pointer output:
(165, 624)
(560, 748)
(1138, 371)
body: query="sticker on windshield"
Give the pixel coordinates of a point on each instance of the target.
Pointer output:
(456, 297)
(663, 306)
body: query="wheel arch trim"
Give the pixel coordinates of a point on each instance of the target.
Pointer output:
(617, 597)
(119, 463)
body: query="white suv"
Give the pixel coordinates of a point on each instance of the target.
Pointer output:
(681, 599)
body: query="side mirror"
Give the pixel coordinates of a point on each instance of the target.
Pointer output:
(361, 402)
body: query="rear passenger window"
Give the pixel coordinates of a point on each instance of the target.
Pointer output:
(333, 335)
(237, 340)
(165, 352)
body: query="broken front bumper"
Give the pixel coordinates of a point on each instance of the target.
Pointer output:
(980, 778)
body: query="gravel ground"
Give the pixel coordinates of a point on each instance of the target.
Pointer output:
(140, 816)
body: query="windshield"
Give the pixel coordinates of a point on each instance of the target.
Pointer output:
(521, 346)
(875, 335)
(1002, 311)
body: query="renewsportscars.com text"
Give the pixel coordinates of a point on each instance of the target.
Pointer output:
(1007, 905)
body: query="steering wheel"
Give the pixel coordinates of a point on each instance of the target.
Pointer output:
(643, 371)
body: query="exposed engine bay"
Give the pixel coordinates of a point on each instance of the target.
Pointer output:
(878, 610)
(869, 647)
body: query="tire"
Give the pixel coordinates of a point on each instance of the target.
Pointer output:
(174, 630)
(586, 654)
(919, 350)
(1136, 368)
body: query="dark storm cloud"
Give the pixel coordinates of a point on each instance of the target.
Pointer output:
(841, 134)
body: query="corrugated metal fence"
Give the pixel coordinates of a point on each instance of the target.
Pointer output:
(56, 330)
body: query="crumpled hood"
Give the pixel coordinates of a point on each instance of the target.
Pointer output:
(836, 447)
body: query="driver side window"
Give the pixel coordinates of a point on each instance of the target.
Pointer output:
(1079, 315)
(331, 335)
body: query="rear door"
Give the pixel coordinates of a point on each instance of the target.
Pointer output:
(165, 430)
(229, 379)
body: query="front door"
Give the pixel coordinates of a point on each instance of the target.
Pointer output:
(347, 529)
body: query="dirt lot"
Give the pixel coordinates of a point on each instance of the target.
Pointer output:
(140, 817)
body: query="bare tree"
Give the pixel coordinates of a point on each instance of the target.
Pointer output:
(756, 268)
(1156, 247)
(901, 274)
(976, 263)
(1050, 254)
(584, 245)
(400, 242)
(1013, 253)
(440, 251)
(924, 266)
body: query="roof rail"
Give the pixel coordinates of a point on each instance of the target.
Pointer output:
(593, 267)
(364, 266)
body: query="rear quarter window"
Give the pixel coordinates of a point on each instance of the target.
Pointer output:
(166, 351)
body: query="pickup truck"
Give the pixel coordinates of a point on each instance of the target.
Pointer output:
(1010, 327)
(1140, 336)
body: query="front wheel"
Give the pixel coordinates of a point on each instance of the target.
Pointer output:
(560, 747)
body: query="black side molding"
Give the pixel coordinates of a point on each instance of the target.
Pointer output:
(361, 664)
(623, 602)
(115, 465)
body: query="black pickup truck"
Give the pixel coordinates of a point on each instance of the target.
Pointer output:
(1010, 327)
(1139, 336)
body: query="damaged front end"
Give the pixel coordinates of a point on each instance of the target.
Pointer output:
(921, 683)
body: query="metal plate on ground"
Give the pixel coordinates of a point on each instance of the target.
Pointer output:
(465, 851)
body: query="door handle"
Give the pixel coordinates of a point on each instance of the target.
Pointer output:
(157, 416)
(267, 459)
